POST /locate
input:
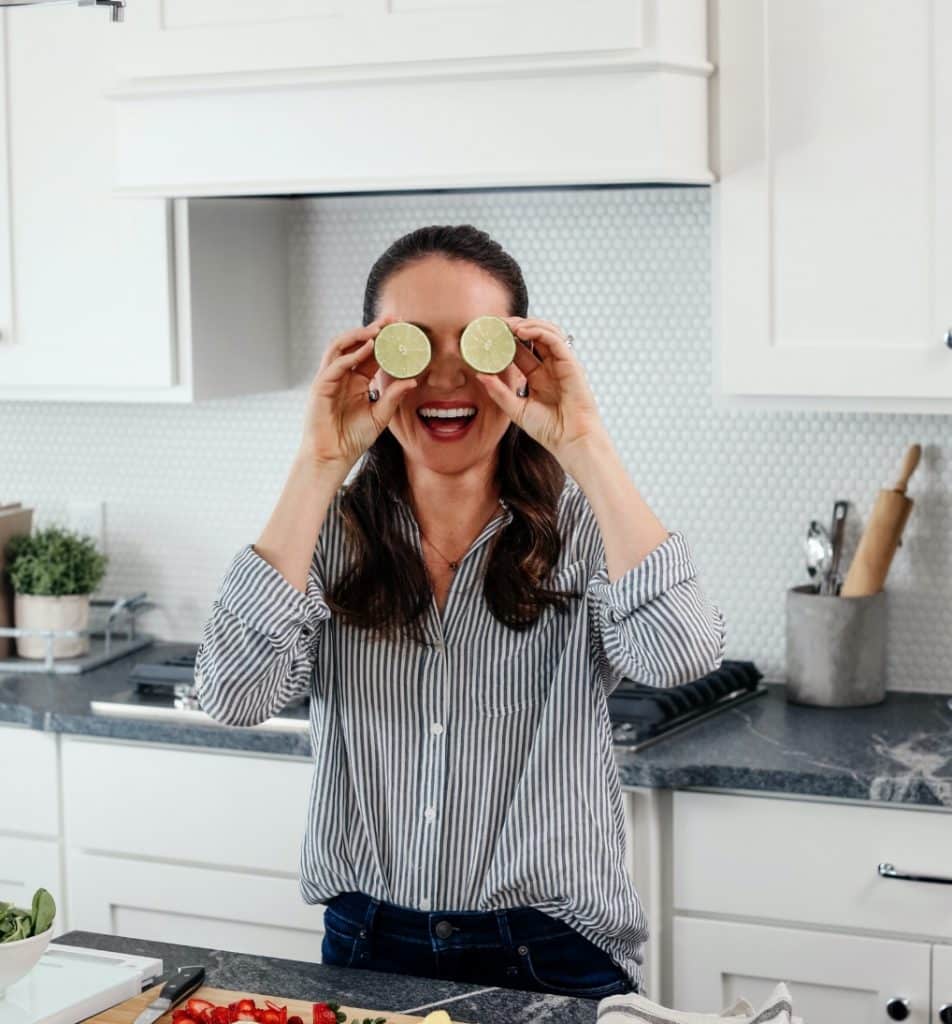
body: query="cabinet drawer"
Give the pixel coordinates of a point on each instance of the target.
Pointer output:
(193, 906)
(31, 807)
(833, 979)
(221, 808)
(814, 863)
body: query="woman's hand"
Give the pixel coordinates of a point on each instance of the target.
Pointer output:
(341, 422)
(560, 411)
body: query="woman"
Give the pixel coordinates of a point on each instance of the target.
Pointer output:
(458, 613)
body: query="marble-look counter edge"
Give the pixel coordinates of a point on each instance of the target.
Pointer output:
(370, 990)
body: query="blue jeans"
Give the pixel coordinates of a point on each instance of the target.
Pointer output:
(518, 948)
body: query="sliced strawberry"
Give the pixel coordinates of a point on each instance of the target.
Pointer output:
(281, 1011)
(196, 1007)
(295, 1020)
(323, 1014)
(220, 1015)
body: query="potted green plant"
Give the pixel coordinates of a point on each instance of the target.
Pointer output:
(53, 571)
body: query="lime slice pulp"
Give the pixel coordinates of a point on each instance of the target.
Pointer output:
(402, 349)
(487, 344)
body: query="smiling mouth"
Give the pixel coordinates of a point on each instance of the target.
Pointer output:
(446, 423)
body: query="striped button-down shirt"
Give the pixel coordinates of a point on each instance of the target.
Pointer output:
(476, 772)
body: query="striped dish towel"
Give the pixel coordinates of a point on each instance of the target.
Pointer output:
(635, 1009)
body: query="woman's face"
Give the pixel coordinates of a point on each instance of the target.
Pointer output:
(441, 296)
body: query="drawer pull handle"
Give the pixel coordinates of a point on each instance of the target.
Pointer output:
(945, 1013)
(897, 1008)
(889, 871)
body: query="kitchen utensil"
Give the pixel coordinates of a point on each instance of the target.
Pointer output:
(69, 983)
(836, 648)
(182, 984)
(883, 533)
(819, 550)
(837, 529)
(126, 1013)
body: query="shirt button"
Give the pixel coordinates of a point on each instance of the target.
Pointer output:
(429, 814)
(437, 728)
(425, 903)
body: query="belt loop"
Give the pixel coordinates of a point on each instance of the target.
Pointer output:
(502, 922)
(373, 905)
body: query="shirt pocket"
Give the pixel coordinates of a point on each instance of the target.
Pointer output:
(519, 679)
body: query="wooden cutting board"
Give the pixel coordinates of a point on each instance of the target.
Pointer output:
(126, 1013)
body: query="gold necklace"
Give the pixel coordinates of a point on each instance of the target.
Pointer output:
(454, 564)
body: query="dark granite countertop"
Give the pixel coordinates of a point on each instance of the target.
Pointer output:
(368, 990)
(898, 752)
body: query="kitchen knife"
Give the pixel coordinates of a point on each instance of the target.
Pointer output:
(183, 983)
(883, 534)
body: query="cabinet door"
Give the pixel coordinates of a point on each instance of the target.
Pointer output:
(31, 807)
(848, 979)
(25, 866)
(92, 274)
(832, 218)
(111, 791)
(188, 37)
(941, 981)
(194, 906)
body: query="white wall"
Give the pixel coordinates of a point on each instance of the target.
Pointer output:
(628, 272)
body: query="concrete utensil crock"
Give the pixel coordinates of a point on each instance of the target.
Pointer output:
(836, 648)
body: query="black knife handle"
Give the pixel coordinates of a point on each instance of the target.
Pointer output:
(183, 983)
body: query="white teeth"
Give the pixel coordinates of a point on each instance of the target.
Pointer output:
(449, 413)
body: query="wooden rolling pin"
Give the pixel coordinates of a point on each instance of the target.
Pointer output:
(883, 533)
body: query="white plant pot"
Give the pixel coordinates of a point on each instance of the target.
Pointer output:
(39, 611)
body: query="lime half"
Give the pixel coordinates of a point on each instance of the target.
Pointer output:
(402, 350)
(487, 344)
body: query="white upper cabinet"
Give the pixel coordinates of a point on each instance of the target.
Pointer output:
(108, 298)
(202, 37)
(238, 97)
(91, 273)
(832, 216)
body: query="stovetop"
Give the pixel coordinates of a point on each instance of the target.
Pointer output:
(641, 715)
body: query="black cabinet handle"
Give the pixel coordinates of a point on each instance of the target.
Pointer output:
(897, 1008)
(945, 1013)
(889, 871)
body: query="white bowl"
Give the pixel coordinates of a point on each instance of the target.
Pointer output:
(18, 958)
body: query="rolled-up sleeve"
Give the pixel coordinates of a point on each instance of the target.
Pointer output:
(258, 648)
(654, 624)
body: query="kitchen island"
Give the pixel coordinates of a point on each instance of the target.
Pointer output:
(370, 990)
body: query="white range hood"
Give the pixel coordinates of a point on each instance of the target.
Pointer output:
(271, 97)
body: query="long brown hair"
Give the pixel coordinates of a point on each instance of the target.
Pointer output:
(387, 588)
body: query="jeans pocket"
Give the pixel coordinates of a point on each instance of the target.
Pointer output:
(572, 966)
(337, 948)
(342, 939)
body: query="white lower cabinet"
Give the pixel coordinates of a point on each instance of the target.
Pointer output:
(942, 983)
(197, 847)
(846, 979)
(195, 906)
(30, 850)
(25, 866)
